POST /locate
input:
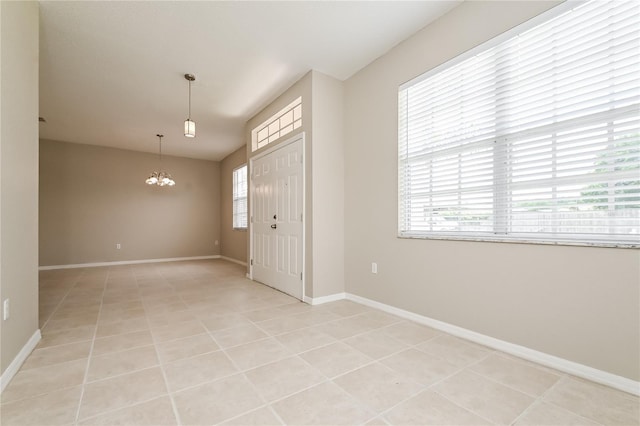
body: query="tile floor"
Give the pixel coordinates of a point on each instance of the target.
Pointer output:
(196, 343)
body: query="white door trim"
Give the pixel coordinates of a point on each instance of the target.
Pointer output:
(267, 151)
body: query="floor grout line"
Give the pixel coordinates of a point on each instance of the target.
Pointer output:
(464, 408)
(93, 340)
(238, 372)
(543, 399)
(123, 407)
(174, 406)
(538, 399)
(507, 385)
(57, 306)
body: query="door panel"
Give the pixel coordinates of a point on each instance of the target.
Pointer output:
(277, 219)
(293, 256)
(262, 205)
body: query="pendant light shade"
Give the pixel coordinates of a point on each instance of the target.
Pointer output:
(160, 178)
(189, 125)
(189, 128)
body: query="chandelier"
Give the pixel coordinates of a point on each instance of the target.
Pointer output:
(160, 178)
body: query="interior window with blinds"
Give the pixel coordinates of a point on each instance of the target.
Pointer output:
(240, 197)
(534, 136)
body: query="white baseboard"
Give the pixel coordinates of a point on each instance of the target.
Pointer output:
(127, 262)
(230, 259)
(561, 364)
(17, 362)
(324, 299)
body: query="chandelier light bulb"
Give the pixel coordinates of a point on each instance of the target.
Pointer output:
(152, 179)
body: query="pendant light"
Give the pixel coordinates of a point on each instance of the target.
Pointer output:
(160, 177)
(189, 126)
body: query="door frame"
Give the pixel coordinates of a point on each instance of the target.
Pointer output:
(269, 150)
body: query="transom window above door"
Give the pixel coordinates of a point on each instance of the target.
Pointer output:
(278, 125)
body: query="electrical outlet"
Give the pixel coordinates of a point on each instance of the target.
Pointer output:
(374, 268)
(216, 243)
(118, 246)
(5, 309)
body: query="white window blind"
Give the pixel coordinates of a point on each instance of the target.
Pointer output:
(536, 138)
(240, 197)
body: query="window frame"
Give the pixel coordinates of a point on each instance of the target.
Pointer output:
(496, 234)
(235, 198)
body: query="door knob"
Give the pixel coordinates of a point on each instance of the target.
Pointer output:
(274, 226)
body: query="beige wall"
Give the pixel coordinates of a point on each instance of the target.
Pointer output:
(234, 241)
(92, 198)
(578, 303)
(19, 175)
(327, 158)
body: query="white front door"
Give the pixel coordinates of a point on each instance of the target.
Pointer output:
(277, 200)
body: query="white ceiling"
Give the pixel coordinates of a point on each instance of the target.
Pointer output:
(111, 72)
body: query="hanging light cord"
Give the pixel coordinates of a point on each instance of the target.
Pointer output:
(189, 100)
(160, 137)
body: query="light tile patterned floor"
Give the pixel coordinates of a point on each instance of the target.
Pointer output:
(197, 343)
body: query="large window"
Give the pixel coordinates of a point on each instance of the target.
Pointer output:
(240, 197)
(534, 136)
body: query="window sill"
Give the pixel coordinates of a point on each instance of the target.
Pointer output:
(515, 240)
